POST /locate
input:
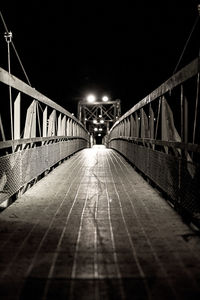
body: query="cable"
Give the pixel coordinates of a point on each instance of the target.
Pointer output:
(6, 28)
(21, 63)
(181, 56)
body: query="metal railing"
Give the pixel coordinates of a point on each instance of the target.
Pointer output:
(160, 136)
(35, 135)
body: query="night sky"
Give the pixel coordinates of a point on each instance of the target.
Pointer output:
(124, 50)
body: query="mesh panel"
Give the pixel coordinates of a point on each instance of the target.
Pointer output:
(21, 167)
(178, 178)
(190, 190)
(10, 173)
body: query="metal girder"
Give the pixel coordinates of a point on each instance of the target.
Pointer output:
(91, 112)
(108, 113)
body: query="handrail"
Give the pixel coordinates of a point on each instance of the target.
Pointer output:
(179, 145)
(181, 76)
(21, 86)
(159, 137)
(14, 143)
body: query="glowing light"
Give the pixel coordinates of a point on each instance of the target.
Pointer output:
(99, 134)
(95, 129)
(100, 116)
(100, 129)
(91, 98)
(105, 98)
(101, 121)
(95, 121)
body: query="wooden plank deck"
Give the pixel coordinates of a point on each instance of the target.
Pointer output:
(94, 229)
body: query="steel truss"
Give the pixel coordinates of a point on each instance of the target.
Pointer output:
(99, 114)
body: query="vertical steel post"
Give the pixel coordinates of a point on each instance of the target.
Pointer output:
(2, 130)
(59, 132)
(196, 107)
(137, 123)
(182, 115)
(17, 117)
(68, 126)
(151, 122)
(63, 126)
(8, 38)
(80, 112)
(38, 118)
(44, 128)
(158, 117)
(185, 120)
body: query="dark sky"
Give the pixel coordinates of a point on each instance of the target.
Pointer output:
(124, 49)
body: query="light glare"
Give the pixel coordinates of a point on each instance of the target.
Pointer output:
(91, 98)
(105, 98)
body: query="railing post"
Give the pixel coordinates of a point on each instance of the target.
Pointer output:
(2, 130)
(30, 124)
(8, 38)
(17, 117)
(151, 122)
(196, 108)
(182, 115)
(44, 127)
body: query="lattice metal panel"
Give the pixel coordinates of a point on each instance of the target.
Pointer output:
(21, 167)
(33, 161)
(190, 189)
(10, 174)
(178, 178)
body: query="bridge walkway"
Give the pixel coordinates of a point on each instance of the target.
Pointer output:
(95, 229)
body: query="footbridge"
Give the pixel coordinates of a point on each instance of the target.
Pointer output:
(113, 221)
